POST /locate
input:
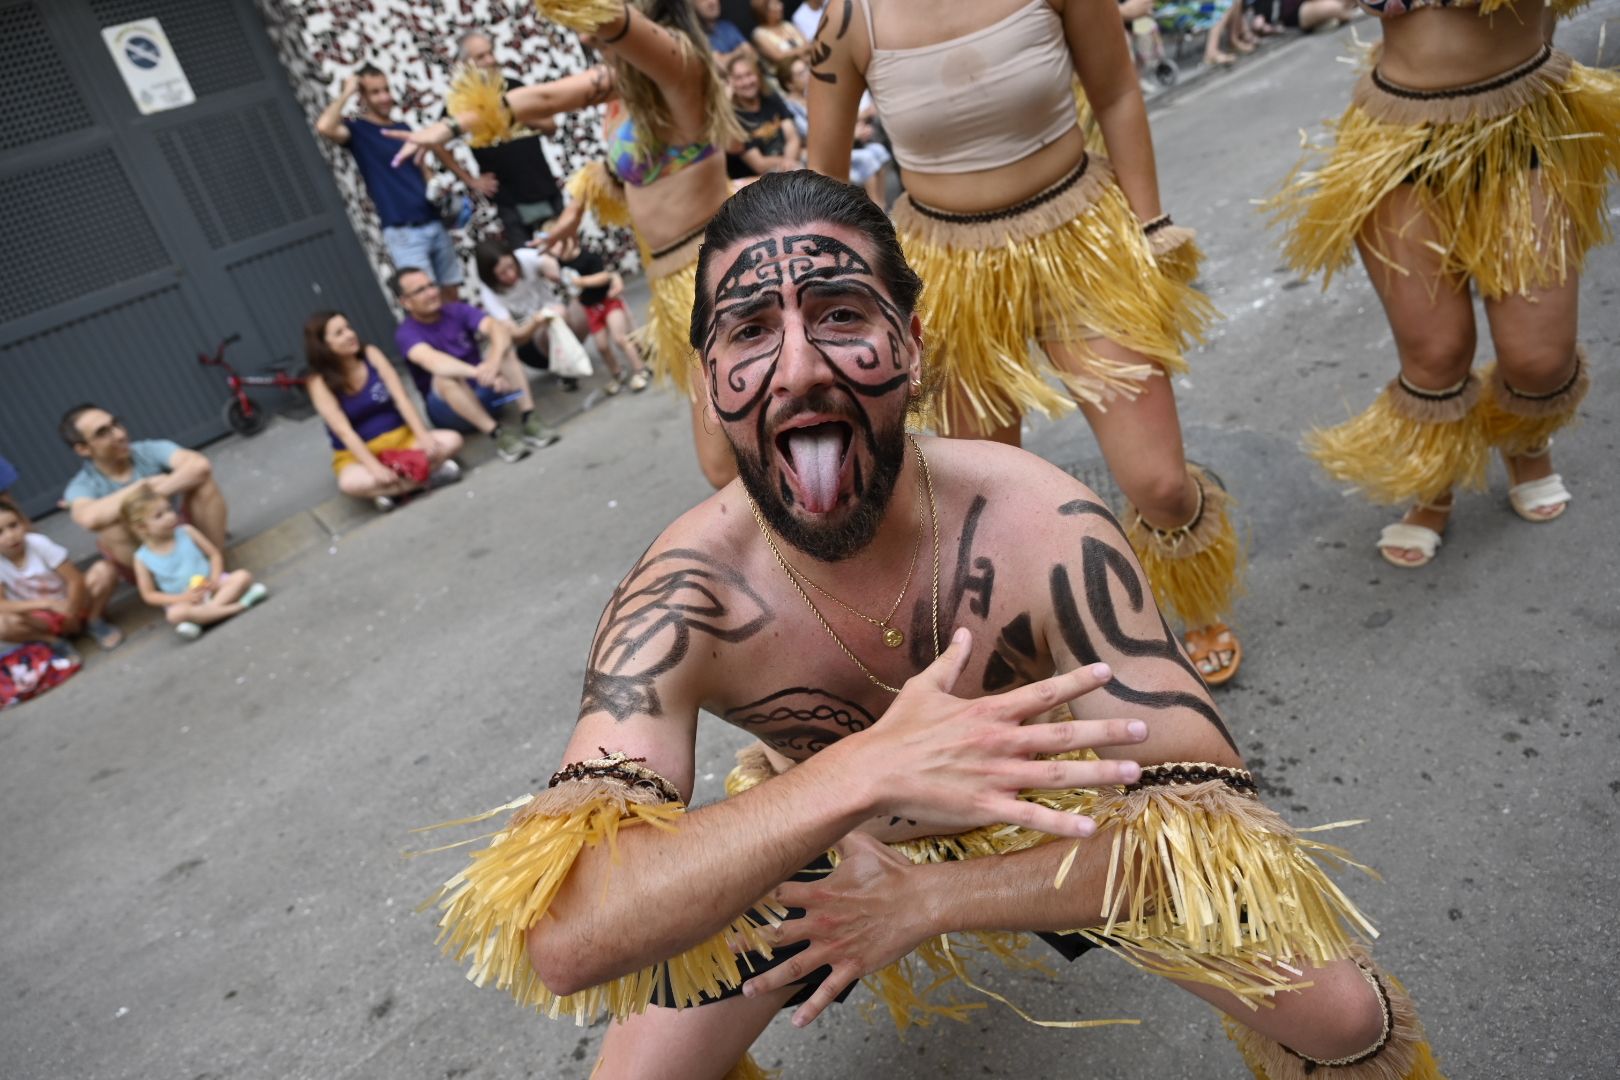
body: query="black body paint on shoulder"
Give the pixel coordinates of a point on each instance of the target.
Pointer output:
(648, 626)
(1009, 665)
(820, 50)
(800, 719)
(974, 579)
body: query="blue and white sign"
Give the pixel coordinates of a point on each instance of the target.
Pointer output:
(150, 69)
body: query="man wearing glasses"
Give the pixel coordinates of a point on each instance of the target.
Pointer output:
(114, 466)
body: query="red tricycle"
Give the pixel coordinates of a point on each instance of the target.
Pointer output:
(246, 416)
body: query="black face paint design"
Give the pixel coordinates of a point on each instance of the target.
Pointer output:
(742, 350)
(800, 721)
(648, 626)
(1100, 564)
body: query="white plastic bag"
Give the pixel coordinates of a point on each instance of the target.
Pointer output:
(568, 358)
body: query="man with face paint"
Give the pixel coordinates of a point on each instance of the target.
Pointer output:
(810, 603)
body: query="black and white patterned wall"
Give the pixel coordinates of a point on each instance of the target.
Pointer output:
(320, 42)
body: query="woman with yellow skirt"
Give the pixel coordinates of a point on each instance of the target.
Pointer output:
(1473, 152)
(1022, 236)
(666, 125)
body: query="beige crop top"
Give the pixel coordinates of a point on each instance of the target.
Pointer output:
(979, 101)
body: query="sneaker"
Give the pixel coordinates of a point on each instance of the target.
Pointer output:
(612, 386)
(448, 472)
(188, 630)
(255, 594)
(509, 445)
(383, 504)
(536, 434)
(639, 381)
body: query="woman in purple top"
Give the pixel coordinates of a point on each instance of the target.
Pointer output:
(367, 412)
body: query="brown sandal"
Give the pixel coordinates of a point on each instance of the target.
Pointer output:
(1206, 648)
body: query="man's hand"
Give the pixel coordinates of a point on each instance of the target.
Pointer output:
(163, 485)
(486, 373)
(486, 184)
(960, 763)
(351, 87)
(857, 919)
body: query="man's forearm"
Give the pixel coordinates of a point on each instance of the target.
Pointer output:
(1014, 892)
(669, 890)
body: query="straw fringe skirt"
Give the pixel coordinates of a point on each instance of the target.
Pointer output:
(1069, 265)
(1512, 174)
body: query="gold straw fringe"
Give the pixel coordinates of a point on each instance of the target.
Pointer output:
(749, 1069)
(1176, 252)
(1076, 267)
(1403, 448)
(1510, 228)
(600, 191)
(1195, 573)
(664, 339)
(580, 16)
(509, 886)
(1405, 1056)
(1516, 425)
(481, 91)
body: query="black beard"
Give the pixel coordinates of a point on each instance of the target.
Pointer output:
(832, 542)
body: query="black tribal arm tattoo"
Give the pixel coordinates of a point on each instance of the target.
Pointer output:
(821, 47)
(1101, 564)
(647, 629)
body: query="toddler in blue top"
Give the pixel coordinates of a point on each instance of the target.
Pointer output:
(179, 570)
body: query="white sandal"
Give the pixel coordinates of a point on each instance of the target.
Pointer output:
(1407, 536)
(1533, 495)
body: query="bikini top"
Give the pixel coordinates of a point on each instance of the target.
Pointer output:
(632, 169)
(979, 101)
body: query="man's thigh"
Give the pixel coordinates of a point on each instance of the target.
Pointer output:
(446, 264)
(409, 246)
(700, 1043)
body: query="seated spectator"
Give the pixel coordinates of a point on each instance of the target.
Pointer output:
(411, 229)
(179, 570)
(521, 288)
(772, 143)
(359, 395)
(114, 466)
(600, 292)
(725, 40)
(868, 159)
(43, 595)
(1306, 15)
(777, 41)
(458, 383)
(807, 17)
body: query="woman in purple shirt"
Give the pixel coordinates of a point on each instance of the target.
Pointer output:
(367, 412)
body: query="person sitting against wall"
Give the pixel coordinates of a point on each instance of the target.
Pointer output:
(114, 465)
(369, 417)
(520, 286)
(772, 143)
(460, 382)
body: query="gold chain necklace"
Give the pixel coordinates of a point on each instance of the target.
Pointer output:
(892, 636)
(793, 576)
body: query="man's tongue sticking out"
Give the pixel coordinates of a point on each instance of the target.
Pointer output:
(817, 454)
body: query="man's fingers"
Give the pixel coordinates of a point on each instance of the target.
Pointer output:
(1036, 698)
(1046, 820)
(786, 973)
(825, 995)
(943, 672)
(1068, 735)
(1063, 775)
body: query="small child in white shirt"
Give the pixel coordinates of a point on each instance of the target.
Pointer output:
(43, 595)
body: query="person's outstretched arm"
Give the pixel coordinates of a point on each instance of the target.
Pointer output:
(330, 123)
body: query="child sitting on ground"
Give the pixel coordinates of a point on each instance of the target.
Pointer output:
(43, 595)
(609, 320)
(179, 570)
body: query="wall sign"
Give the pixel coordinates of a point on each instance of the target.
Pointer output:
(147, 62)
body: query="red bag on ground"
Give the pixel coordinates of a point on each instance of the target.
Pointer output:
(412, 465)
(31, 669)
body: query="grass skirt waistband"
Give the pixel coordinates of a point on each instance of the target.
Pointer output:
(1511, 173)
(1069, 265)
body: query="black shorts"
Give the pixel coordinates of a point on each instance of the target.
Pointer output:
(1068, 946)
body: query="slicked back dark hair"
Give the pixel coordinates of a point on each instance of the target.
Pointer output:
(778, 201)
(68, 426)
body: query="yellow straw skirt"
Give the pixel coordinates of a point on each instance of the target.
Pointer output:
(1070, 264)
(1511, 174)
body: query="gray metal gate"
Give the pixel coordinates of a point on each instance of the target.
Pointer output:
(133, 242)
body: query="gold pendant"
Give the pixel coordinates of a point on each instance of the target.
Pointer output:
(893, 638)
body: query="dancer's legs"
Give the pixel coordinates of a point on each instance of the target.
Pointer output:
(701, 1043)
(1429, 311)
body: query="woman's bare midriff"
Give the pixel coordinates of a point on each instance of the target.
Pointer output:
(1437, 48)
(671, 208)
(1002, 186)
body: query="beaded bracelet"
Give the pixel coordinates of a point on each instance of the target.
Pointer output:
(617, 766)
